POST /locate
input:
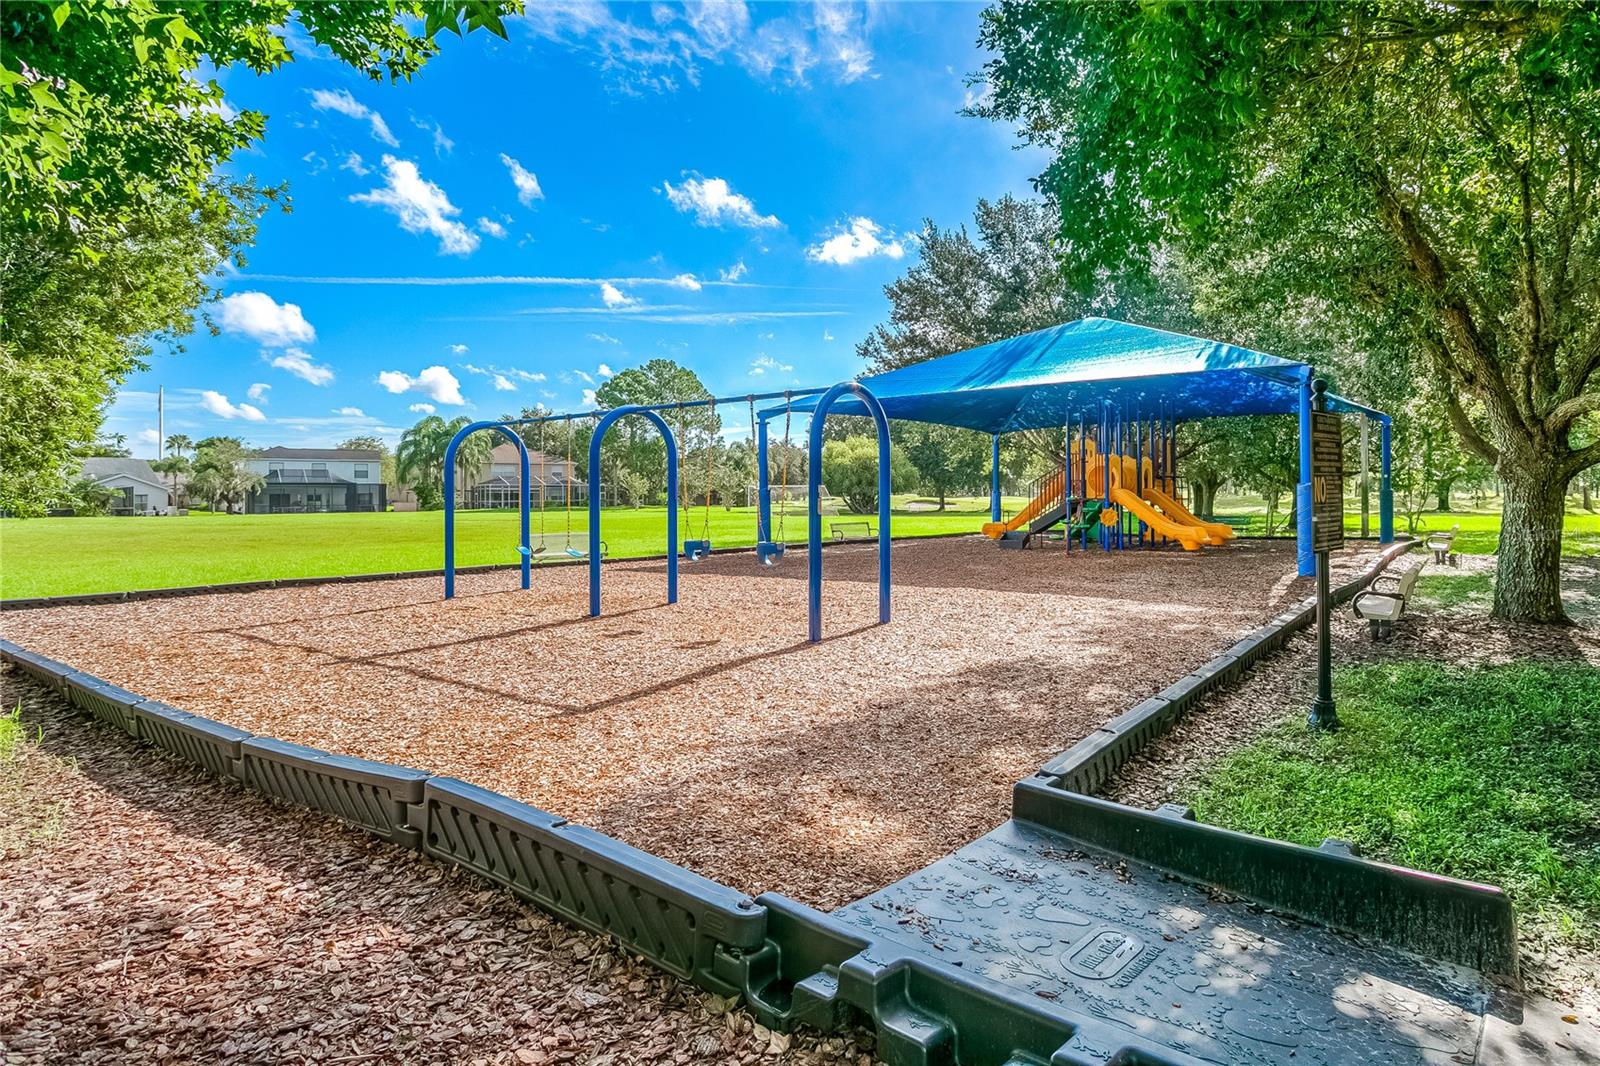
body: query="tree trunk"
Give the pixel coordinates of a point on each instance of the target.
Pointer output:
(1527, 585)
(1444, 496)
(1588, 498)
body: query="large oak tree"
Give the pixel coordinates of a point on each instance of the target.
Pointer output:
(1431, 166)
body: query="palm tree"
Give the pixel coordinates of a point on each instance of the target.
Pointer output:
(178, 443)
(419, 461)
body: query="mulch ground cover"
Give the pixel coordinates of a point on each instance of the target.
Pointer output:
(711, 733)
(149, 913)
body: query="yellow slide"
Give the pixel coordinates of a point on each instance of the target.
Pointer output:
(1191, 537)
(1218, 531)
(1046, 499)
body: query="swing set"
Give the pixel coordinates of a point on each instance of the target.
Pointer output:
(769, 550)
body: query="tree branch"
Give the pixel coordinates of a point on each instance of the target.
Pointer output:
(1566, 413)
(1457, 319)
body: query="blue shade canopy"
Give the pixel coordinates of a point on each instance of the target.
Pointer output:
(1034, 381)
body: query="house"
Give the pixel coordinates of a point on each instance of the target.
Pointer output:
(551, 480)
(140, 490)
(317, 480)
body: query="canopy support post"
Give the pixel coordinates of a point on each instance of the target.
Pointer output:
(994, 481)
(1305, 557)
(1385, 485)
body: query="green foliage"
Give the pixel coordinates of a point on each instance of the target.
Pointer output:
(635, 445)
(1490, 774)
(1384, 178)
(221, 475)
(948, 461)
(114, 218)
(419, 461)
(850, 471)
(87, 497)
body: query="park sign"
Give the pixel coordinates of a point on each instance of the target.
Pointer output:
(1327, 482)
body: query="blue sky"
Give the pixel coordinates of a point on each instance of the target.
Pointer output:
(728, 187)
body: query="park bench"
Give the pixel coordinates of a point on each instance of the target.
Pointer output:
(1382, 606)
(851, 530)
(1441, 543)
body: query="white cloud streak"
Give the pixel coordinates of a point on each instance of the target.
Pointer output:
(341, 101)
(421, 206)
(525, 180)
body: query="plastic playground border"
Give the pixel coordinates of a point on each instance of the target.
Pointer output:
(1088, 764)
(81, 599)
(795, 965)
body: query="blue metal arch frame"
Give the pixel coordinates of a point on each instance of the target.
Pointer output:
(450, 503)
(814, 523)
(600, 430)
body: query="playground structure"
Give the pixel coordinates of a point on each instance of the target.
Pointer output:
(1117, 476)
(1120, 497)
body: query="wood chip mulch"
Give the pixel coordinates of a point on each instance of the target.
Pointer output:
(149, 913)
(711, 733)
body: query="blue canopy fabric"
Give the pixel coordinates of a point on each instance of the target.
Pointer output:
(1036, 380)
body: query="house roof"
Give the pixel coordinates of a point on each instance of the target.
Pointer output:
(507, 453)
(104, 468)
(1038, 379)
(359, 455)
(305, 477)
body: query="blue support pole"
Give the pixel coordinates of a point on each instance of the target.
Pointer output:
(525, 549)
(994, 481)
(1105, 471)
(1138, 466)
(814, 519)
(763, 483)
(1385, 486)
(1306, 559)
(594, 501)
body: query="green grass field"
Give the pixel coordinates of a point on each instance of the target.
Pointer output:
(1489, 773)
(60, 556)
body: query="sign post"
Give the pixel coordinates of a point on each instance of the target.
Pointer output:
(1327, 534)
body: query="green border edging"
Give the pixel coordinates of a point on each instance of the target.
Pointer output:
(1428, 914)
(1088, 764)
(82, 599)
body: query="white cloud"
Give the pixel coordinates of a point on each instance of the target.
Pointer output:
(341, 101)
(503, 384)
(421, 206)
(350, 412)
(588, 398)
(826, 336)
(686, 281)
(713, 202)
(525, 180)
(258, 391)
(355, 165)
(301, 365)
(458, 349)
(615, 297)
(602, 338)
(605, 371)
(584, 376)
(442, 144)
(219, 405)
(264, 320)
(435, 382)
(856, 241)
(666, 44)
(422, 408)
(147, 436)
(764, 362)
(491, 227)
(317, 163)
(735, 272)
(526, 376)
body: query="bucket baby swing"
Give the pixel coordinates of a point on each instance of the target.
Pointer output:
(697, 549)
(769, 551)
